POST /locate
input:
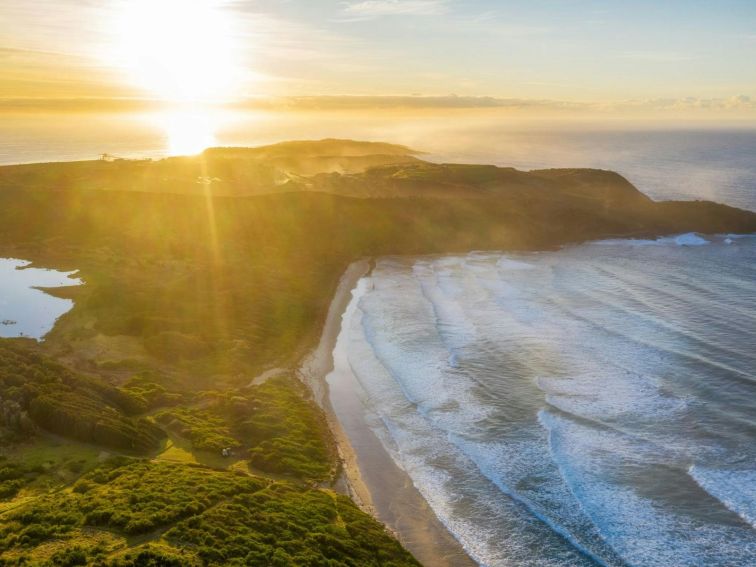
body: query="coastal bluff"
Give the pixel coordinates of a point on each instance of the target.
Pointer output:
(536, 208)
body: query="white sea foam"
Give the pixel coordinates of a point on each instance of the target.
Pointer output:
(734, 487)
(627, 242)
(691, 239)
(687, 239)
(597, 464)
(505, 263)
(611, 395)
(571, 397)
(521, 468)
(493, 530)
(454, 324)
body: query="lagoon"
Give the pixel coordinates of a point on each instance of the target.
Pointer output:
(25, 309)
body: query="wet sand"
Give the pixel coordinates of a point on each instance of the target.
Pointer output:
(370, 476)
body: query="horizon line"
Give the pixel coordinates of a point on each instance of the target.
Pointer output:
(733, 105)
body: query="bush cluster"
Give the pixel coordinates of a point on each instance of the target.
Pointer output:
(32, 387)
(283, 526)
(287, 432)
(193, 515)
(206, 429)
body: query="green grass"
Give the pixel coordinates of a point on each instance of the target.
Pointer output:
(283, 525)
(146, 389)
(34, 468)
(131, 497)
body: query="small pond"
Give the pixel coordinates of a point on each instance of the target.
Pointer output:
(26, 310)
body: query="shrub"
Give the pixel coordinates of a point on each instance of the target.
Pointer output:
(73, 405)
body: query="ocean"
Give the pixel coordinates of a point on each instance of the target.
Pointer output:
(594, 405)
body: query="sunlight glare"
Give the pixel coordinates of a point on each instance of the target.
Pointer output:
(177, 50)
(184, 54)
(188, 132)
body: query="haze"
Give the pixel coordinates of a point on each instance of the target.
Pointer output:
(676, 56)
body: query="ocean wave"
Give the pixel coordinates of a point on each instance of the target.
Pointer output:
(627, 242)
(509, 264)
(569, 396)
(652, 527)
(690, 239)
(734, 236)
(424, 375)
(735, 488)
(522, 470)
(493, 530)
(686, 239)
(613, 395)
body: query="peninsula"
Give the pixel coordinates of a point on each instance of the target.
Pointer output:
(163, 420)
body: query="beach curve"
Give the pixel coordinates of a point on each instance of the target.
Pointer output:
(369, 475)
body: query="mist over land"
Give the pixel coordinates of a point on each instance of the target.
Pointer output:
(666, 159)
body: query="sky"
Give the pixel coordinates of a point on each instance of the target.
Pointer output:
(673, 52)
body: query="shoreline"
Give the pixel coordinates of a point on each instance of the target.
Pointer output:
(369, 475)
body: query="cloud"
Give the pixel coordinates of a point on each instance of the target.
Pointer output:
(690, 104)
(741, 105)
(365, 102)
(657, 56)
(368, 9)
(670, 106)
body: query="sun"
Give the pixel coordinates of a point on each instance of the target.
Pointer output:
(184, 54)
(188, 132)
(178, 50)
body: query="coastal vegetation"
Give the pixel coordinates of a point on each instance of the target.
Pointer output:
(137, 512)
(273, 425)
(199, 274)
(38, 392)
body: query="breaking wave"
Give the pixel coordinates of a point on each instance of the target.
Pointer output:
(593, 405)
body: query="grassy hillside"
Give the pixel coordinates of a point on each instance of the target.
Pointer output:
(199, 274)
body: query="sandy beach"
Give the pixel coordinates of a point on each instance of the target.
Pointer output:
(370, 476)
